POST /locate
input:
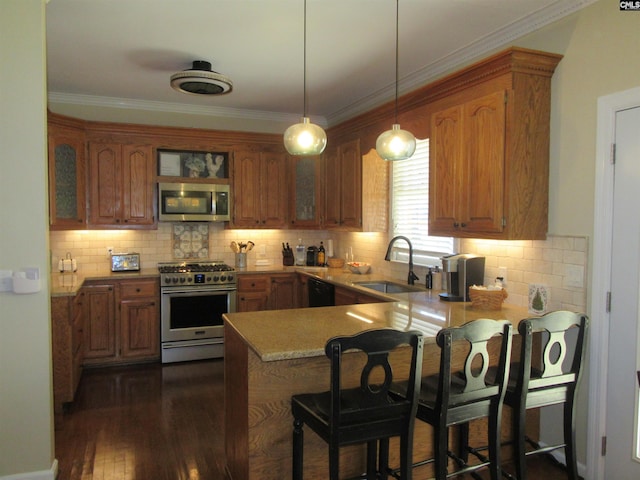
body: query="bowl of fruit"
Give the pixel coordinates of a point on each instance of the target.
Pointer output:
(359, 267)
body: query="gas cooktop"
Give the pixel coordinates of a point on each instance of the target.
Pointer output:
(200, 266)
(197, 273)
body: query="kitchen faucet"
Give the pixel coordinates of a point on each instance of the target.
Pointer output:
(412, 276)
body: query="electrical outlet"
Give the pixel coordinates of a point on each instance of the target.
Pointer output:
(502, 272)
(109, 251)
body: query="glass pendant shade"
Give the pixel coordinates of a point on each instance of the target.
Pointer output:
(396, 144)
(306, 139)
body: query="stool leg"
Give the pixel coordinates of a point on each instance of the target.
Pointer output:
(463, 442)
(495, 427)
(440, 446)
(298, 445)
(570, 439)
(334, 461)
(372, 454)
(383, 458)
(519, 430)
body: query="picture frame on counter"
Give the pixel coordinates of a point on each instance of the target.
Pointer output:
(193, 164)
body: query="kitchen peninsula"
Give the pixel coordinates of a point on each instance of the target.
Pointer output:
(272, 355)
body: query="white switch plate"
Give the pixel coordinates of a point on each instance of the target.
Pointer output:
(502, 272)
(6, 282)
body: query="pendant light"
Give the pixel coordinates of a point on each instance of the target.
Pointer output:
(396, 144)
(305, 138)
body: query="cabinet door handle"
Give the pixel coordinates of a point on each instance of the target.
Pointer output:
(463, 225)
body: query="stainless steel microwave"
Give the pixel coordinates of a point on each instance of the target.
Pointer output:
(194, 202)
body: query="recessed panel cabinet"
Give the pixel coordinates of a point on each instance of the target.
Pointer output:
(260, 189)
(468, 143)
(122, 322)
(277, 291)
(67, 177)
(67, 330)
(306, 192)
(122, 179)
(489, 148)
(356, 189)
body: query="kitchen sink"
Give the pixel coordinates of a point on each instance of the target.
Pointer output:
(389, 287)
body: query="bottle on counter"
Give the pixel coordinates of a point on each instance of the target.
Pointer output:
(321, 256)
(301, 253)
(436, 279)
(429, 280)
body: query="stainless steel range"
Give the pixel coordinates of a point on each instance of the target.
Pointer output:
(194, 296)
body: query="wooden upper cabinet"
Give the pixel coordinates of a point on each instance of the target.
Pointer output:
(467, 146)
(350, 185)
(67, 177)
(489, 148)
(306, 192)
(356, 189)
(122, 179)
(260, 189)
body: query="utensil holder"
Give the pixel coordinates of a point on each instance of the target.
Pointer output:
(241, 260)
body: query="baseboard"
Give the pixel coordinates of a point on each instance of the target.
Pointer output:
(50, 474)
(560, 457)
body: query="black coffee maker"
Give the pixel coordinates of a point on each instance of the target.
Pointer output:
(461, 271)
(312, 256)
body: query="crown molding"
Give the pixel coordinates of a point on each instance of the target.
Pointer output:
(431, 72)
(148, 105)
(488, 44)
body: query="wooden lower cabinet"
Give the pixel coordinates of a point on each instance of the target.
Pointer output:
(284, 291)
(139, 319)
(67, 325)
(268, 291)
(100, 324)
(122, 322)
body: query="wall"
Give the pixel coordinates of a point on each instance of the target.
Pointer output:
(26, 413)
(600, 45)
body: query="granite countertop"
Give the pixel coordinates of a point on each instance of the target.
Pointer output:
(68, 284)
(299, 333)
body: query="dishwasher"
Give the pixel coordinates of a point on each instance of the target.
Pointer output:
(321, 294)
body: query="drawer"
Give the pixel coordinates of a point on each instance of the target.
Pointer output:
(248, 283)
(139, 289)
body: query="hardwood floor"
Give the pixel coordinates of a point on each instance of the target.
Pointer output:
(158, 422)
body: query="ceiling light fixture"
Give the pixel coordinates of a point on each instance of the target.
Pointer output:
(306, 138)
(396, 144)
(201, 80)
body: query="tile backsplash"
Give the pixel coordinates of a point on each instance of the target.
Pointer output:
(558, 263)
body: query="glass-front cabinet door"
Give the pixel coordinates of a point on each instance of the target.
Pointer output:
(306, 205)
(67, 181)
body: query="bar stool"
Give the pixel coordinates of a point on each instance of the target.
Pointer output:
(457, 396)
(365, 414)
(553, 382)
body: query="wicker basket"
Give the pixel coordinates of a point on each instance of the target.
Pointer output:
(335, 262)
(487, 299)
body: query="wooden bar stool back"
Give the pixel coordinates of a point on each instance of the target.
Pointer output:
(551, 380)
(367, 413)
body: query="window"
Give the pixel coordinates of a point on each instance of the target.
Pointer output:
(410, 210)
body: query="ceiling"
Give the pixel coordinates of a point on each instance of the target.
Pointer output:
(122, 52)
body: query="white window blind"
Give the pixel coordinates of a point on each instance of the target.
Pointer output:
(410, 206)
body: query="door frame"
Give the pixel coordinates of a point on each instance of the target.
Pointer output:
(608, 106)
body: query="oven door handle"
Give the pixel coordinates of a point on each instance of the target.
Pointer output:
(190, 291)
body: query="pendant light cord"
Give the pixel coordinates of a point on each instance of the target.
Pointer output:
(397, 15)
(304, 64)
